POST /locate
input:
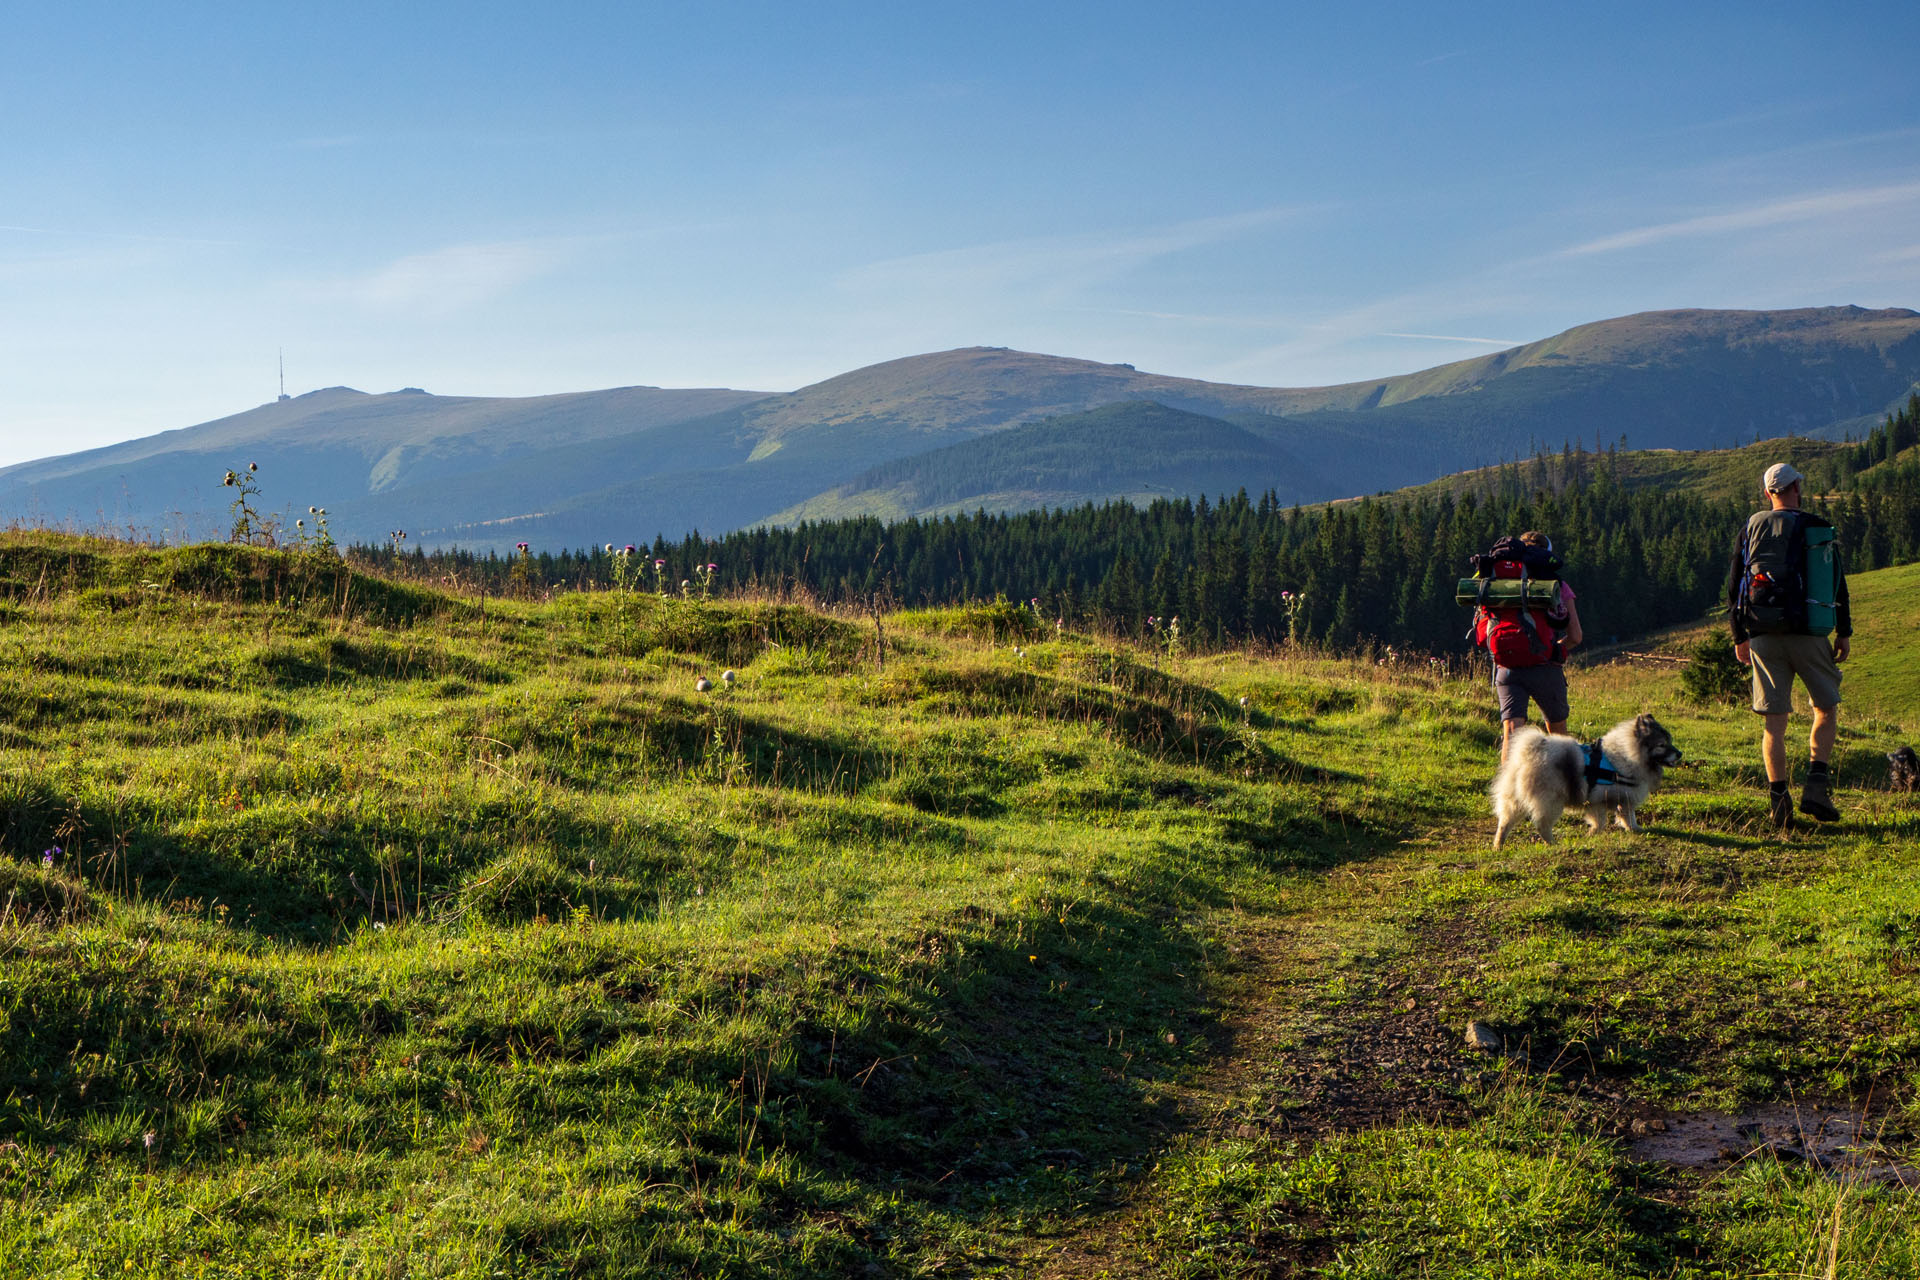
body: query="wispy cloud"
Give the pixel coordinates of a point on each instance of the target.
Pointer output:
(1447, 337)
(133, 236)
(1199, 318)
(454, 278)
(1331, 338)
(1055, 265)
(1769, 214)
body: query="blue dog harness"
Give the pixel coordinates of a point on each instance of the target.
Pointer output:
(1599, 772)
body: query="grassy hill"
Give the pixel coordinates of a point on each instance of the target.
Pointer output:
(586, 468)
(1687, 380)
(1711, 473)
(353, 927)
(1883, 675)
(376, 461)
(1138, 450)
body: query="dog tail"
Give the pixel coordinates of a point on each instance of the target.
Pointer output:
(1574, 776)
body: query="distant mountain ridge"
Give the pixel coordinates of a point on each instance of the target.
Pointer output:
(978, 426)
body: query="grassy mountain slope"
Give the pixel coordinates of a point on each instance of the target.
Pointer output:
(563, 469)
(1716, 390)
(1139, 450)
(1688, 380)
(1883, 676)
(387, 932)
(345, 449)
(1620, 376)
(1712, 473)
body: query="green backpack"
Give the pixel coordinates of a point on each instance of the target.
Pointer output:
(1788, 575)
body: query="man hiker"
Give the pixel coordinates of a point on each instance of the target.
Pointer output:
(1785, 593)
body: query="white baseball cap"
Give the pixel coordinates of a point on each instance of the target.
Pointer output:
(1781, 476)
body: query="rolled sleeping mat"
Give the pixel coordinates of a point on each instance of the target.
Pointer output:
(1821, 574)
(1507, 593)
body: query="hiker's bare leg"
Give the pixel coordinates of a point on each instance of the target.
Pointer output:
(1773, 746)
(1556, 726)
(1826, 725)
(1506, 734)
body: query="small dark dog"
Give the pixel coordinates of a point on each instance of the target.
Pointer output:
(1906, 768)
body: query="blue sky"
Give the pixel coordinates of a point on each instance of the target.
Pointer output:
(498, 199)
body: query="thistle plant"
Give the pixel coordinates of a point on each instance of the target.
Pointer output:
(1293, 602)
(705, 573)
(626, 566)
(521, 574)
(660, 578)
(316, 539)
(250, 528)
(1165, 632)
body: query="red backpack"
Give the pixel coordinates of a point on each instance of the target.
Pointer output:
(1520, 637)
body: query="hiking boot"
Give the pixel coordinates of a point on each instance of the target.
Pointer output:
(1816, 798)
(1780, 807)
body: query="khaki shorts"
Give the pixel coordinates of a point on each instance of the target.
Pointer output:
(1778, 659)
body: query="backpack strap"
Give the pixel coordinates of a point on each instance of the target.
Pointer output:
(1797, 557)
(1599, 772)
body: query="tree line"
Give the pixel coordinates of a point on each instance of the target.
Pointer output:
(1369, 572)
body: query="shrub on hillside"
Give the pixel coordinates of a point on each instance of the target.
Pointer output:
(1713, 673)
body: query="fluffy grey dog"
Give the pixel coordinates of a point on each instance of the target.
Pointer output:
(1545, 774)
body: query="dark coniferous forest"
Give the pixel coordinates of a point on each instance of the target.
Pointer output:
(1370, 572)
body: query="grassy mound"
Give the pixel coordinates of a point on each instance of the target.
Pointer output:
(439, 940)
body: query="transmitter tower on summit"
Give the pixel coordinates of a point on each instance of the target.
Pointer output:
(283, 375)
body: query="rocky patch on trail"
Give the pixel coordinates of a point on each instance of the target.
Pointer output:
(1849, 1145)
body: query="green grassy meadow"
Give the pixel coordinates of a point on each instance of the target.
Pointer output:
(392, 932)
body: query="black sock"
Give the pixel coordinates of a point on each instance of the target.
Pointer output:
(1778, 788)
(1816, 766)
